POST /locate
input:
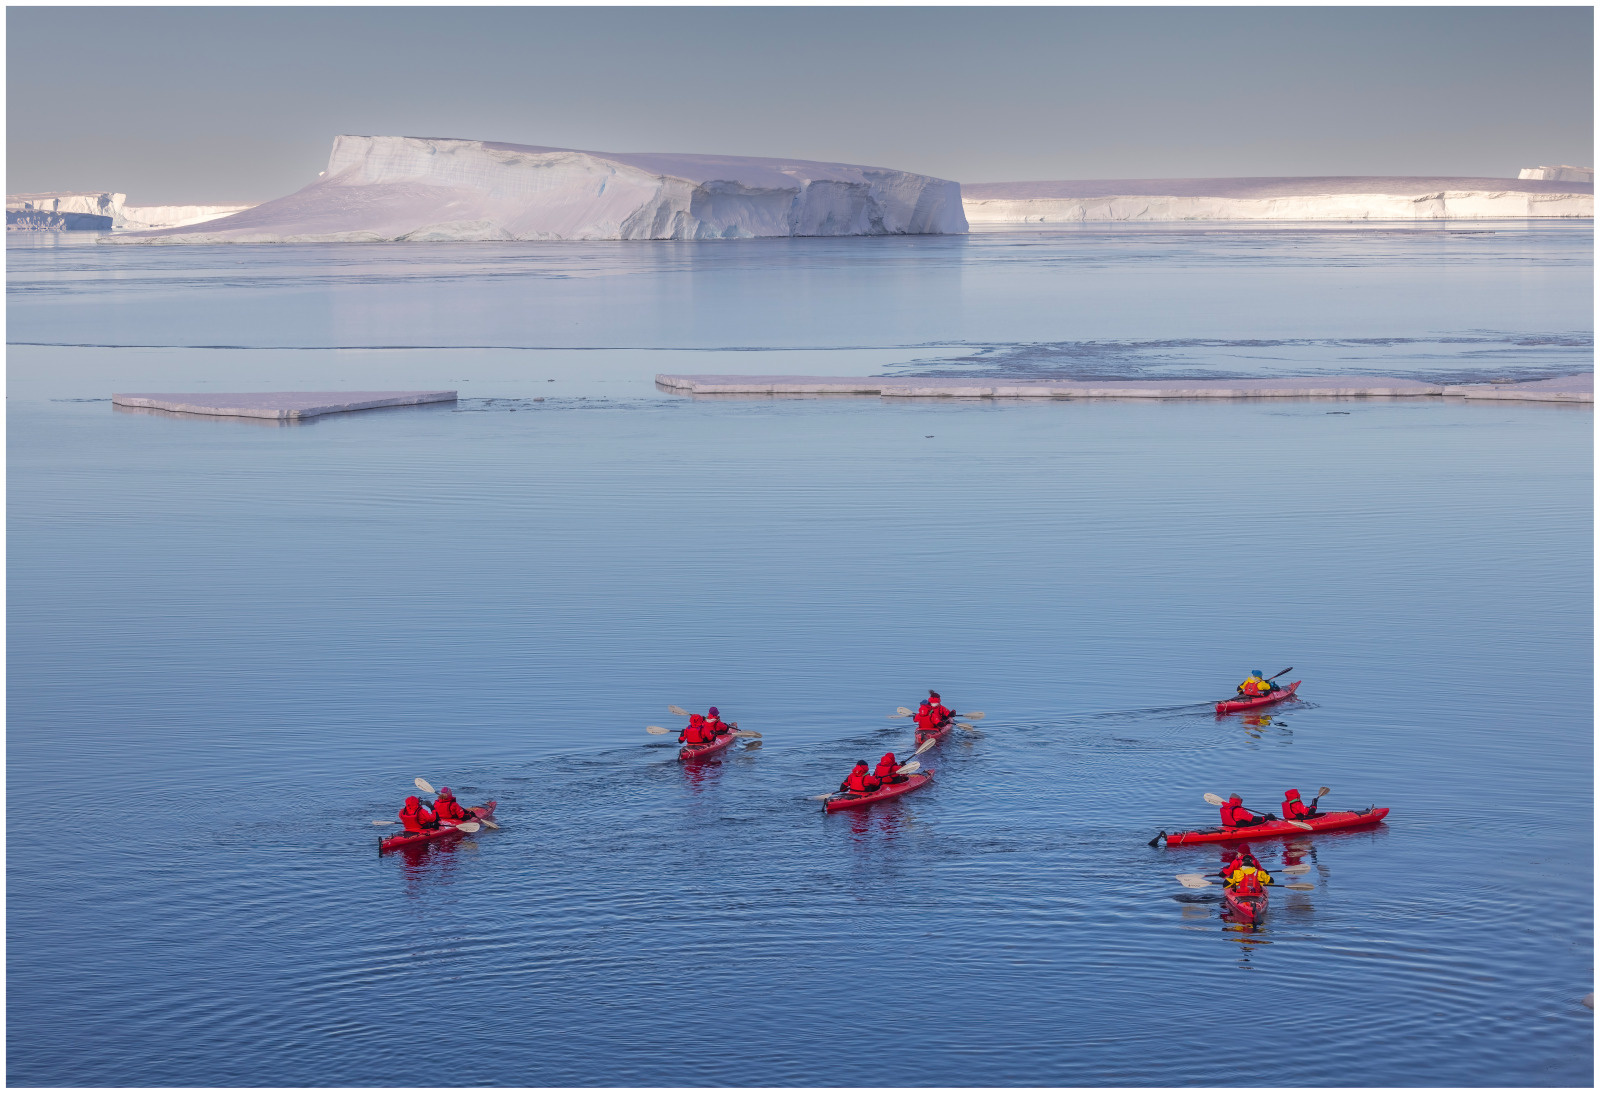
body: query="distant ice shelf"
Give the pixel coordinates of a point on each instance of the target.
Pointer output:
(103, 211)
(383, 189)
(1308, 198)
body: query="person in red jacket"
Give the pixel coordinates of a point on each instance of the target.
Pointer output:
(417, 817)
(860, 780)
(940, 713)
(1295, 809)
(448, 810)
(715, 724)
(696, 732)
(888, 770)
(923, 718)
(1235, 815)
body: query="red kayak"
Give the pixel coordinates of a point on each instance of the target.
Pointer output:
(1244, 908)
(1322, 822)
(939, 734)
(1229, 706)
(404, 839)
(700, 752)
(855, 801)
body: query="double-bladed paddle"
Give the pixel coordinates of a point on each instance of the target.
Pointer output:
(1237, 692)
(659, 730)
(1198, 881)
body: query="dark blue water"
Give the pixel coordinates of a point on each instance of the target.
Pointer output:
(232, 647)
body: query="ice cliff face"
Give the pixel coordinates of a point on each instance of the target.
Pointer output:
(1562, 173)
(379, 189)
(1331, 198)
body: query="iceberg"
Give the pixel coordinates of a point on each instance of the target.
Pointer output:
(390, 189)
(1309, 198)
(1562, 173)
(103, 211)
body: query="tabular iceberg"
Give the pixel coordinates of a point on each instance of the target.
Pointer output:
(102, 211)
(1312, 198)
(382, 189)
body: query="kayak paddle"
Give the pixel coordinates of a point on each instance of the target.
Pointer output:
(679, 711)
(1198, 881)
(976, 716)
(385, 822)
(901, 712)
(974, 730)
(1237, 692)
(657, 730)
(1298, 868)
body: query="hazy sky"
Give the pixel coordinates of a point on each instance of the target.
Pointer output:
(213, 104)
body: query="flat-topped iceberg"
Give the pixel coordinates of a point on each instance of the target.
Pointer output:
(381, 189)
(102, 211)
(1310, 198)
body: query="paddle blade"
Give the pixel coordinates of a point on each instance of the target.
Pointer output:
(1301, 824)
(974, 730)
(1298, 868)
(1300, 887)
(909, 769)
(1323, 792)
(748, 733)
(657, 730)
(486, 822)
(468, 827)
(422, 785)
(1275, 675)
(924, 746)
(1193, 881)
(1159, 837)
(385, 822)
(1212, 799)
(902, 712)
(679, 711)
(976, 716)
(819, 797)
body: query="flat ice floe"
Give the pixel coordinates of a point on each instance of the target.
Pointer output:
(383, 189)
(1340, 197)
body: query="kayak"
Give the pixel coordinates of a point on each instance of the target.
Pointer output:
(1322, 822)
(701, 752)
(405, 839)
(855, 801)
(1228, 706)
(924, 735)
(1245, 908)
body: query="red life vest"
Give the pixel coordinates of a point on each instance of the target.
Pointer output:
(862, 782)
(924, 717)
(695, 733)
(1249, 885)
(1234, 815)
(448, 809)
(417, 817)
(886, 768)
(716, 726)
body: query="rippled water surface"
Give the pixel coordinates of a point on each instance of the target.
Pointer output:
(234, 645)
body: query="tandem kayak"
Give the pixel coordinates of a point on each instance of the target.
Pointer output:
(1251, 908)
(405, 839)
(924, 735)
(700, 752)
(1322, 822)
(855, 801)
(1229, 706)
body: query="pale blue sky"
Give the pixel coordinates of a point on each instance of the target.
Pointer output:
(215, 104)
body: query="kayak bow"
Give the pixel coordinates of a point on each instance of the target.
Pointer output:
(404, 839)
(855, 801)
(1229, 706)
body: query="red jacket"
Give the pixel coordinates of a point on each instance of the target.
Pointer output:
(861, 781)
(1294, 808)
(716, 726)
(696, 733)
(416, 816)
(448, 809)
(887, 768)
(1234, 815)
(924, 717)
(940, 714)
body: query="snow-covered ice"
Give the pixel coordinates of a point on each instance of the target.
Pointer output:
(100, 210)
(1561, 173)
(379, 189)
(1309, 198)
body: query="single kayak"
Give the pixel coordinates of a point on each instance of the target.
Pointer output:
(700, 752)
(1245, 908)
(925, 735)
(1229, 706)
(855, 801)
(1322, 822)
(405, 839)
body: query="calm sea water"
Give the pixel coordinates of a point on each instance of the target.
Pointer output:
(233, 646)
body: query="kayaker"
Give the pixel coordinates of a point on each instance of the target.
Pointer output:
(861, 780)
(924, 717)
(448, 810)
(1248, 877)
(715, 724)
(938, 712)
(696, 732)
(888, 770)
(417, 817)
(1295, 809)
(1235, 815)
(1257, 685)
